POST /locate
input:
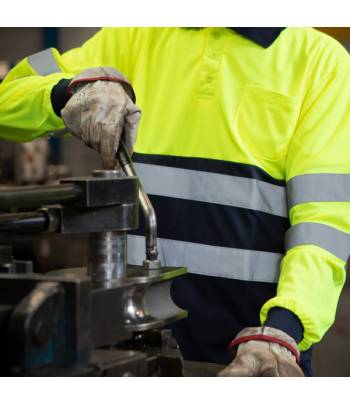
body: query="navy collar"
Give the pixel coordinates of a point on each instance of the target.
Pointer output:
(263, 36)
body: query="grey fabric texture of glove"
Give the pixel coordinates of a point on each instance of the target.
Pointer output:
(101, 112)
(259, 358)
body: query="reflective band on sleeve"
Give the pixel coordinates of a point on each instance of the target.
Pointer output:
(326, 237)
(213, 188)
(44, 62)
(318, 188)
(239, 264)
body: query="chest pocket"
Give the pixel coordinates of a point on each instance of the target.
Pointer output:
(265, 121)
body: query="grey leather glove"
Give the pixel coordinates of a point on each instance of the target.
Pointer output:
(264, 352)
(101, 110)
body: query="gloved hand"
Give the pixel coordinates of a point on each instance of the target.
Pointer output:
(101, 110)
(264, 352)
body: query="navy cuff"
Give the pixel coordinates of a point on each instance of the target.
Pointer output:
(59, 96)
(285, 320)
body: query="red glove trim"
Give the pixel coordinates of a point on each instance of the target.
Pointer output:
(74, 83)
(235, 342)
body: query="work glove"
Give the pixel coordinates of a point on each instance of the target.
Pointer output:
(263, 352)
(101, 111)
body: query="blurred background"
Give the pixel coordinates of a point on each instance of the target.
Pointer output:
(47, 160)
(15, 44)
(44, 160)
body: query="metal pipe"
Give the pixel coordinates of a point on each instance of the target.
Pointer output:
(151, 261)
(24, 222)
(35, 196)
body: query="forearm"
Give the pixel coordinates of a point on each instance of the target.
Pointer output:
(310, 283)
(26, 107)
(26, 111)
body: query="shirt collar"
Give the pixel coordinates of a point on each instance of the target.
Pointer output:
(263, 36)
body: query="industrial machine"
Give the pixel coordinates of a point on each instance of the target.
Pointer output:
(108, 318)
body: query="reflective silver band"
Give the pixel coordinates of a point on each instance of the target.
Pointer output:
(240, 264)
(318, 188)
(213, 188)
(326, 237)
(44, 62)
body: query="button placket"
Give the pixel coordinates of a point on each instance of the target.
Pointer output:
(210, 64)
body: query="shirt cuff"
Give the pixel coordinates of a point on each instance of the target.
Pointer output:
(59, 96)
(285, 320)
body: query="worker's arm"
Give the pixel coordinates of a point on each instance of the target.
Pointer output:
(318, 188)
(27, 100)
(318, 241)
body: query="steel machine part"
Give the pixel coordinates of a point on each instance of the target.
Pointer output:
(107, 250)
(107, 256)
(151, 262)
(86, 321)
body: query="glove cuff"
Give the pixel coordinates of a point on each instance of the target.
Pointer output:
(104, 74)
(266, 334)
(59, 96)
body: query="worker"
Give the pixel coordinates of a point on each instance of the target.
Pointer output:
(243, 146)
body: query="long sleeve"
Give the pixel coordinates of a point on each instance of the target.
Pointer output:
(25, 107)
(318, 190)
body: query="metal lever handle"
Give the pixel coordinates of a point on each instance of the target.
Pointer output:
(125, 162)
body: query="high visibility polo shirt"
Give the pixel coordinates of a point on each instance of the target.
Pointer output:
(244, 150)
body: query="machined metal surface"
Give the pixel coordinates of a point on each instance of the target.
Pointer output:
(35, 196)
(24, 222)
(73, 220)
(70, 220)
(107, 250)
(107, 174)
(107, 316)
(6, 259)
(51, 324)
(119, 363)
(140, 303)
(86, 220)
(78, 191)
(163, 355)
(8, 265)
(107, 256)
(22, 267)
(103, 189)
(57, 319)
(135, 274)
